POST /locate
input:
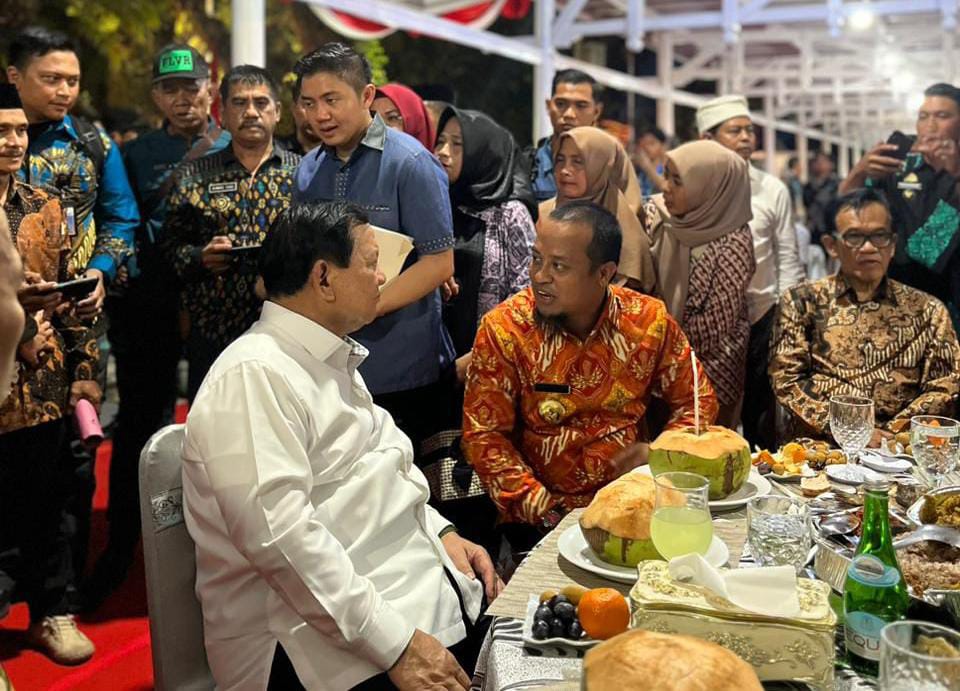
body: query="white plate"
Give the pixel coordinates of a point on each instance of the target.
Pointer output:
(755, 486)
(574, 548)
(851, 474)
(885, 464)
(560, 647)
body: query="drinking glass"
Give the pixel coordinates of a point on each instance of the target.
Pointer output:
(778, 530)
(916, 656)
(936, 444)
(681, 516)
(851, 424)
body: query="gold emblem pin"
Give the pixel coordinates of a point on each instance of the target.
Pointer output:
(552, 410)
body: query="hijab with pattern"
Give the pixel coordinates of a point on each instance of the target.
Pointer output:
(717, 184)
(608, 173)
(416, 120)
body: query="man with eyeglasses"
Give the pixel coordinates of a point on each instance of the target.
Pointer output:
(726, 120)
(575, 103)
(861, 333)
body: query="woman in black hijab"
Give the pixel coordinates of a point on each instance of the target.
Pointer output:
(492, 225)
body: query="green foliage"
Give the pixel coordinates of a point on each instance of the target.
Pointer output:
(378, 59)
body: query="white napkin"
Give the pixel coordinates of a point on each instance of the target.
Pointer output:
(767, 590)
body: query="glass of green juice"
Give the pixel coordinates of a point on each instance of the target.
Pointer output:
(681, 517)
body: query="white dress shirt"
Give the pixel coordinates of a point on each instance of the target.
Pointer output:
(310, 519)
(774, 244)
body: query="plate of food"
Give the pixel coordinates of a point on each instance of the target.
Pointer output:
(884, 463)
(552, 624)
(801, 458)
(937, 507)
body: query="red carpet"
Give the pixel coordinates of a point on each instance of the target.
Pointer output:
(119, 629)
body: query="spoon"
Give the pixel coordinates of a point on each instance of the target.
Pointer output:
(840, 525)
(936, 533)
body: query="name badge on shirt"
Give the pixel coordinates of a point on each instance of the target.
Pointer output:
(546, 387)
(912, 186)
(221, 187)
(70, 219)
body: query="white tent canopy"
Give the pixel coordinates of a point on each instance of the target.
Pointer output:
(845, 73)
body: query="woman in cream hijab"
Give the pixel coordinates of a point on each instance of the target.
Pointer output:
(704, 255)
(591, 165)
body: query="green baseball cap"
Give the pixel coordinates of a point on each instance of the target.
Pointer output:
(179, 61)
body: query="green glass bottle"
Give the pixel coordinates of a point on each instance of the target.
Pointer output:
(874, 593)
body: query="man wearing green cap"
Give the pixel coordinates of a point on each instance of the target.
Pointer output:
(144, 330)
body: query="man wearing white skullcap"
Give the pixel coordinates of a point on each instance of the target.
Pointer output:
(727, 121)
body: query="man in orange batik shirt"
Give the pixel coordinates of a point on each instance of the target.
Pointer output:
(563, 373)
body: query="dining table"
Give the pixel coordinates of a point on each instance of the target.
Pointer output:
(505, 664)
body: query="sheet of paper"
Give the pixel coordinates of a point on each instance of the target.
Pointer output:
(394, 248)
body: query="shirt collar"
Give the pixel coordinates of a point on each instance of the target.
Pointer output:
(609, 319)
(230, 157)
(374, 138)
(884, 291)
(14, 191)
(320, 342)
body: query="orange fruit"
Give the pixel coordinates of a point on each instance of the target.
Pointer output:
(603, 613)
(935, 441)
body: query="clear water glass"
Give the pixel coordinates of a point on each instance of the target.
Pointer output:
(778, 530)
(919, 656)
(851, 424)
(936, 445)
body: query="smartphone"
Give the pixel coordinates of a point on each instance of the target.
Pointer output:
(903, 144)
(245, 249)
(78, 289)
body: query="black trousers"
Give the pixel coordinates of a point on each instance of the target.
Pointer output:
(145, 338)
(32, 495)
(759, 421)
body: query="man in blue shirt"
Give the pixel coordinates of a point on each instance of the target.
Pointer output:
(74, 157)
(575, 103)
(401, 187)
(145, 317)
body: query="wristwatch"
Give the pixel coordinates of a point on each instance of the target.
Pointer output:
(550, 520)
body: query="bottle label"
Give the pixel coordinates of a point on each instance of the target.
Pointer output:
(862, 634)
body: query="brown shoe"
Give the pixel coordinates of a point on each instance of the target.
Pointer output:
(59, 639)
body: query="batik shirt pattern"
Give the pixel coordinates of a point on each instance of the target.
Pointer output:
(898, 348)
(545, 412)
(40, 393)
(216, 195)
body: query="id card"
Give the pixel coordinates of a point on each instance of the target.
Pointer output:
(71, 220)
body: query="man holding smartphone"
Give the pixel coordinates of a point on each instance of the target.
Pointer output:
(919, 177)
(56, 362)
(221, 204)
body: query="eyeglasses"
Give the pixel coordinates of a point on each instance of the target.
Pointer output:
(880, 240)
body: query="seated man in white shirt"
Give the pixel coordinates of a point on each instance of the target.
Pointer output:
(319, 562)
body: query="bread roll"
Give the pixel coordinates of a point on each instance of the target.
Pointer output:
(640, 659)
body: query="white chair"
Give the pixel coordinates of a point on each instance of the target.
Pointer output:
(176, 623)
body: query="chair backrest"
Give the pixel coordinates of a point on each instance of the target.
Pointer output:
(176, 623)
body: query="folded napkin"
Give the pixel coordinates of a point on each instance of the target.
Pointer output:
(768, 590)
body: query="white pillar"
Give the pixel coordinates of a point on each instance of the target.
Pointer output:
(543, 14)
(843, 160)
(248, 44)
(770, 135)
(665, 106)
(803, 145)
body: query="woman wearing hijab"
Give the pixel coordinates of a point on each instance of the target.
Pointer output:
(403, 110)
(704, 253)
(591, 165)
(493, 230)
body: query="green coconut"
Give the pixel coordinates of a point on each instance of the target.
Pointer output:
(616, 525)
(717, 453)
